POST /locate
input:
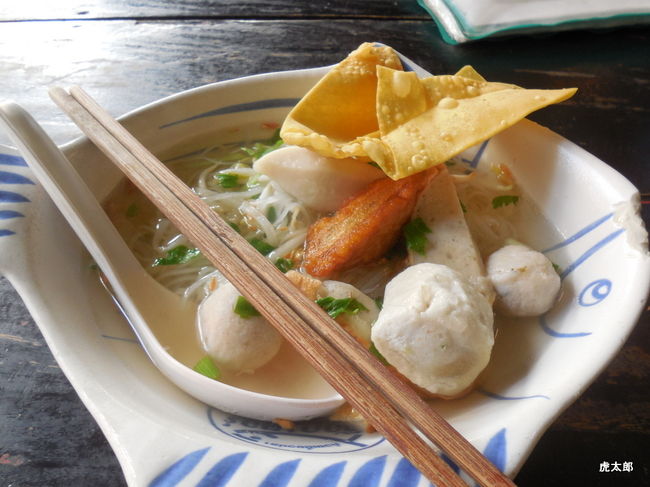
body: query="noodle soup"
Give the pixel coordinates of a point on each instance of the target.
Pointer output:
(223, 177)
(276, 223)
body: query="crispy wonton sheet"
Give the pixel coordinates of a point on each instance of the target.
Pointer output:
(369, 108)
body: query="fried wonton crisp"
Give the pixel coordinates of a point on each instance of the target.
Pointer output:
(368, 107)
(425, 122)
(340, 109)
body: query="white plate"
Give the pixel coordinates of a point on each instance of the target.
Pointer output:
(161, 436)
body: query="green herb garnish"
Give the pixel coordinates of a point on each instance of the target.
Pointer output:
(284, 264)
(415, 233)
(227, 181)
(373, 350)
(504, 200)
(335, 307)
(271, 214)
(258, 149)
(263, 247)
(557, 269)
(235, 227)
(207, 367)
(253, 182)
(244, 308)
(178, 255)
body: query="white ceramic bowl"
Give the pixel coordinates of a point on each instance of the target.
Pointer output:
(160, 435)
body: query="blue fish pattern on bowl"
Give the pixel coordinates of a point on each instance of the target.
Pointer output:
(373, 472)
(12, 180)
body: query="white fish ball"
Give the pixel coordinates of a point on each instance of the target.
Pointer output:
(235, 343)
(321, 183)
(524, 279)
(435, 328)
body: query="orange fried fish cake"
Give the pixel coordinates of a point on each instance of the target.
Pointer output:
(364, 228)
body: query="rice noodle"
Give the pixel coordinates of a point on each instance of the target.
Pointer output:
(260, 209)
(255, 205)
(490, 227)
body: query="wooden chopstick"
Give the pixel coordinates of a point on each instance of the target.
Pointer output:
(384, 400)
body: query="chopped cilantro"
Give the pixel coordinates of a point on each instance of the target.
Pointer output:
(504, 200)
(227, 181)
(284, 264)
(244, 308)
(235, 227)
(178, 255)
(335, 307)
(415, 233)
(258, 149)
(253, 181)
(271, 214)
(557, 269)
(132, 210)
(263, 247)
(373, 350)
(207, 367)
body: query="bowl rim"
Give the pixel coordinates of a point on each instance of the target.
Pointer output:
(596, 164)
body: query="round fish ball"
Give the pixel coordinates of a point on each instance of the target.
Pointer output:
(525, 281)
(235, 343)
(321, 183)
(435, 328)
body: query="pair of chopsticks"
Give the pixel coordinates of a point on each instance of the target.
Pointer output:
(385, 401)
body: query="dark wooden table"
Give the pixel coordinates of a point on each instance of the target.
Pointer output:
(130, 52)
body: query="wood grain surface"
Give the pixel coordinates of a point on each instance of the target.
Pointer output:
(128, 53)
(210, 9)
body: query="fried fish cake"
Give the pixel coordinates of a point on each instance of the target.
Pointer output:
(364, 228)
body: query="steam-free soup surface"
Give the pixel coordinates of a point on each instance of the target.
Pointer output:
(276, 224)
